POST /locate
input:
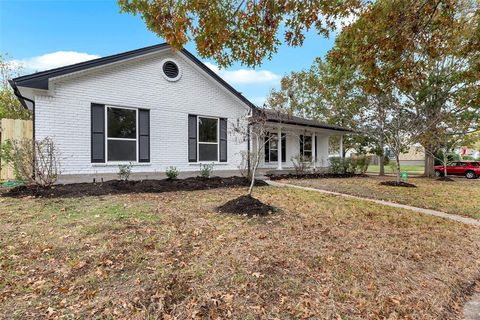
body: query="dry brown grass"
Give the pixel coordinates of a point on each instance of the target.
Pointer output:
(160, 255)
(460, 197)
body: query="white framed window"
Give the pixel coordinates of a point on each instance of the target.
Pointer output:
(208, 133)
(271, 147)
(306, 146)
(121, 124)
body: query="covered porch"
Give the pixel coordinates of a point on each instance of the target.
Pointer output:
(289, 139)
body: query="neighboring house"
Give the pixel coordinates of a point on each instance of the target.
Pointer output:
(415, 155)
(153, 107)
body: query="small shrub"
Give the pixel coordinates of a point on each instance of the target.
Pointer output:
(301, 163)
(33, 162)
(352, 165)
(359, 164)
(124, 171)
(206, 170)
(338, 165)
(172, 173)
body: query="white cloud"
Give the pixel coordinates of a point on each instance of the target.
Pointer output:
(258, 101)
(246, 76)
(54, 60)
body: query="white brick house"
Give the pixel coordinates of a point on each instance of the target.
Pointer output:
(153, 107)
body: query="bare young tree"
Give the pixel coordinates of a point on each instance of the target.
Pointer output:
(254, 132)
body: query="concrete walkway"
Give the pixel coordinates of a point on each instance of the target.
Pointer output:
(469, 221)
(471, 310)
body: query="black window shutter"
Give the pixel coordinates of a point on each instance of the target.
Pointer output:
(301, 145)
(284, 147)
(97, 133)
(144, 135)
(192, 138)
(315, 142)
(267, 147)
(223, 140)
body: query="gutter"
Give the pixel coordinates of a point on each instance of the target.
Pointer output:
(248, 150)
(311, 125)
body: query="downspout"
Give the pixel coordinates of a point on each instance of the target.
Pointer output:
(22, 101)
(248, 149)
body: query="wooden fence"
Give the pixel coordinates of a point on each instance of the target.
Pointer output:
(13, 129)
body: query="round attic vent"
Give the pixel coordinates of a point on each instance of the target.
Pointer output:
(171, 70)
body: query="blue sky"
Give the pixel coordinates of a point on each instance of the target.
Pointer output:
(46, 34)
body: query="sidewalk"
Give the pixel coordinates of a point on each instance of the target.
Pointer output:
(458, 218)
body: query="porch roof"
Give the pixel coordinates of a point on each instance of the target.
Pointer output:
(280, 117)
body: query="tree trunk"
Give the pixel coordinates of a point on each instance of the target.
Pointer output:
(382, 156)
(252, 182)
(381, 163)
(429, 170)
(397, 160)
(445, 161)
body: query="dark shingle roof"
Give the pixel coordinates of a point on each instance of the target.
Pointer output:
(281, 117)
(39, 80)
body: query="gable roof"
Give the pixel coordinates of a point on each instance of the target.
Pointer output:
(39, 80)
(271, 115)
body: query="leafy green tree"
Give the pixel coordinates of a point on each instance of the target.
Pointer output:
(10, 106)
(330, 93)
(426, 53)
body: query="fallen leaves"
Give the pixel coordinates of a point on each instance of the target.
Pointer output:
(185, 261)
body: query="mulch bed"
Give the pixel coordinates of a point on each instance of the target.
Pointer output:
(312, 176)
(123, 187)
(398, 184)
(247, 205)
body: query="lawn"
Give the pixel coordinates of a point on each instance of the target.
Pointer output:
(171, 255)
(459, 197)
(411, 169)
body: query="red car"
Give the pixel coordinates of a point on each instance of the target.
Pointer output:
(469, 169)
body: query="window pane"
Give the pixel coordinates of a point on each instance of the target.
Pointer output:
(273, 141)
(207, 130)
(208, 152)
(307, 155)
(122, 123)
(273, 155)
(121, 150)
(308, 143)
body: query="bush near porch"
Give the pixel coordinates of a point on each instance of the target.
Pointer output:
(149, 255)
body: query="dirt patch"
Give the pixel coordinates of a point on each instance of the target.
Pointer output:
(125, 187)
(312, 176)
(397, 184)
(247, 205)
(446, 179)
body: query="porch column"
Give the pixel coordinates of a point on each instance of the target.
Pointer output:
(314, 148)
(341, 146)
(279, 152)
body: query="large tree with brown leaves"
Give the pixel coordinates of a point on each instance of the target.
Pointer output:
(240, 30)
